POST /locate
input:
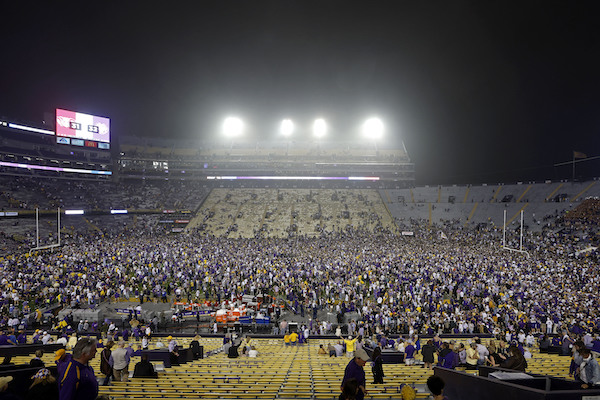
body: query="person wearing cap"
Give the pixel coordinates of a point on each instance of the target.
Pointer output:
(78, 380)
(62, 359)
(355, 369)
(472, 356)
(43, 387)
(172, 343)
(46, 338)
(22, 338)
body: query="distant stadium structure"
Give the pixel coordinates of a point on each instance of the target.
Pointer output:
(242, 188)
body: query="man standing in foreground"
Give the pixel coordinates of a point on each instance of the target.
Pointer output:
(78, 381)
(355, 370)
(120, 363)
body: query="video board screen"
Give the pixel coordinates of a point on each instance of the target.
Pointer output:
(82, 126)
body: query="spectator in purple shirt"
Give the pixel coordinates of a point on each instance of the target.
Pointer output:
(409, 353)
(355, 370)
(78, 381)
(62, 359)
(22, 338)
(4, 339)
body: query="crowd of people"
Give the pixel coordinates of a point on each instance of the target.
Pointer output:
(464, 283)
(377, 285)
(508, 355)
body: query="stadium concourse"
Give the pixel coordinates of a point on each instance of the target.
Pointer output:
(384, 262)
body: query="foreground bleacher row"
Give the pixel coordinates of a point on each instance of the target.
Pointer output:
(279, 372)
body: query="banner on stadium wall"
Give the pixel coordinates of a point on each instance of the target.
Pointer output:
(193, 313)
(177, 230)
(248, 320)
(126, 311)
(180, 303)
(408, 233)
(204, 304)
(182, 221)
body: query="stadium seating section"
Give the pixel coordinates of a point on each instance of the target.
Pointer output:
(282, 372)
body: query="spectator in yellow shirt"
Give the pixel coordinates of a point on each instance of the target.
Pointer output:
(350, 346)
(472, 356)
(294, 338)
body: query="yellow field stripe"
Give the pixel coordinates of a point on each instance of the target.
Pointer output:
(496, 194)
(466, 194)
(516, 215)
(471, 213)
(583, 191)
(554, 191)
(526, 190)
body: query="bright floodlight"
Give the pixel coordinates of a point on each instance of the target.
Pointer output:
(319, 128)
(287, 127)
(373, 128)
(233, 126)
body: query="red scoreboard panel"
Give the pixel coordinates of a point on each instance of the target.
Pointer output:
(82, 126)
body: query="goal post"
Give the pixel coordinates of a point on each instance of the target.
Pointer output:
(520, 249)
(37, 232)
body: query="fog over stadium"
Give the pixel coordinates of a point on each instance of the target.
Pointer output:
(478, 92)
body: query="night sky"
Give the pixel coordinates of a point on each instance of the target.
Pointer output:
(481, 91)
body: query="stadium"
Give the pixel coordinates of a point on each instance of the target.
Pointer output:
(214, 234)
(240, 203)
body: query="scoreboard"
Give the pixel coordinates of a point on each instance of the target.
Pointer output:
(81, 127)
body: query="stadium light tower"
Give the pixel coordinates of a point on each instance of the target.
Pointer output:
(286, 128)
(233, 127)
(373, 128)
(319, 128)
